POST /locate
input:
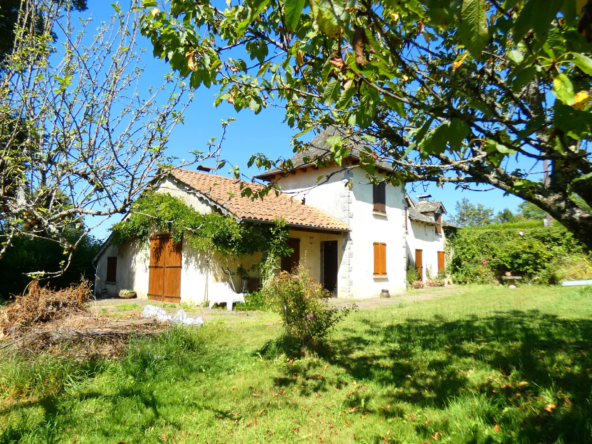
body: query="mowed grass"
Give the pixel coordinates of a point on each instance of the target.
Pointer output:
(485, 365)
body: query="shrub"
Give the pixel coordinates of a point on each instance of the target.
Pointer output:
(302, 304)
(543, 255)
(253, 301)
(412, 274)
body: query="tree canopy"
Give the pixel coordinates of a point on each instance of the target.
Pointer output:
(470, 215)
(9, 17)
(78, 135)
(448, 91)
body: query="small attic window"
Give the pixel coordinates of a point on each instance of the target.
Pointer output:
(379, 197)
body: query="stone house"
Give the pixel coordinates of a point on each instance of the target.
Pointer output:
(354, 237)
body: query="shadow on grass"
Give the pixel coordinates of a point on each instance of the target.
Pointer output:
(525, 372)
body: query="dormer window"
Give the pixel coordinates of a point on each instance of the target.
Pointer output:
(379, 197)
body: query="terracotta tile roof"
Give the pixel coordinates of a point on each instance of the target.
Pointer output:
(226, 192)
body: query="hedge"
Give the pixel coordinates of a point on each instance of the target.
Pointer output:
(539, 254)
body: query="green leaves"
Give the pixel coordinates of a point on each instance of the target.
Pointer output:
(563, 89)
(345, 98)
(538, 16)
(331, 93)
(329, 16)
(293, 12)
(452, 133)
(583, 62)
(473, 29)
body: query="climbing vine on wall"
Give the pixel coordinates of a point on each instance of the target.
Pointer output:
(212, 232)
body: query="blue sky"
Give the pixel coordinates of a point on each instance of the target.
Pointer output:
(262, 133)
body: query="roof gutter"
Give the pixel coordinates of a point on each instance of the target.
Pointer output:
(310, 227)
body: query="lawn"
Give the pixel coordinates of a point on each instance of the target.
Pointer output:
(485, 365)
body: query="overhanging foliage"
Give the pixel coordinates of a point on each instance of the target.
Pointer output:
(447, 91)
(211, 232)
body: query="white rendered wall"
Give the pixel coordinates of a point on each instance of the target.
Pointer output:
(310, 252)
(355, 208)
(132, 270)
(367, 228)
(198, 270)
(325, 196)
(424, 237)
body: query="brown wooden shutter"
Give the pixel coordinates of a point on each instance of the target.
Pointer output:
(439, 222)
(379, 197)
(419, 263)
(379, 259)
(111, 269)
(441, 265)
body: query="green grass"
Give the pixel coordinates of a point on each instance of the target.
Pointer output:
(126, 306)
(477, 367)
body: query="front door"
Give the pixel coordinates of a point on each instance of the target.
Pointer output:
(164, 281)
(419, 263)
(289, 263)
(329, 264)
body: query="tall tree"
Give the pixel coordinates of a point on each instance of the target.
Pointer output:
(529, 211)
(9, 18)
(78, 135)
(471, 215)
(448, 91)
(505, 216)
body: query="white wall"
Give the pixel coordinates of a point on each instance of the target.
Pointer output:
(327, 197)
(368, 228)
(424, 237)
(199, 270)
(355, 208)
(310, 252)
(132, 270)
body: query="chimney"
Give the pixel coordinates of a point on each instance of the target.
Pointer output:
(205, 169)
(424, 197)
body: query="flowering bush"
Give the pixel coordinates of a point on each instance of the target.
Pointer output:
(302, 304)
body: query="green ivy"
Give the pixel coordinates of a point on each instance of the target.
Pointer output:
(482, 255)
(212, 232)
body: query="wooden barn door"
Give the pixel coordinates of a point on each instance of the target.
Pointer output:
(419, 263)
(165, 269)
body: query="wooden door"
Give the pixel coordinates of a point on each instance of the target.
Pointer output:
(289, 263)
(419, 263)
(164, 281)
(330, 266)
(441, 264)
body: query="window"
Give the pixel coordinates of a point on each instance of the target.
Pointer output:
(379, 259)
(290, 263)
(111, 269)
(439, 223)
(379, 197)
